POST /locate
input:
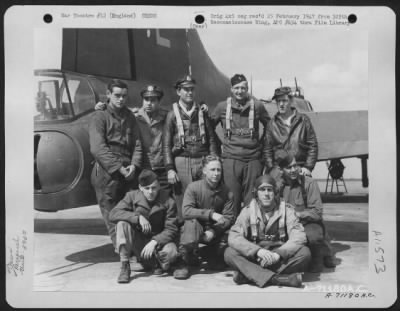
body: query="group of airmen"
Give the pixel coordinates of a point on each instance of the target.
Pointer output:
(173, 194)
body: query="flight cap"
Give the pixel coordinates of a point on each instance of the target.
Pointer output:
(284, 90)
(151, 90)
(283, 158)
(185, 81)
(147, 177)
(237, 78)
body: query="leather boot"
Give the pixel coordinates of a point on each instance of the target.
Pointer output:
(124, 275)
(316, 265)
(162, 260)
(239, 278)
(182, 270)
(291, 280)
(329, 261)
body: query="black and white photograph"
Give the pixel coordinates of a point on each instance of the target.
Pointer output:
(236, 155)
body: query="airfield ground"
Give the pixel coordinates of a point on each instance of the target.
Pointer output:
(73, 253)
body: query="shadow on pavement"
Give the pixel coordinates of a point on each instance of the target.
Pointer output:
(100, 254)
(347, 230)
(70, 226)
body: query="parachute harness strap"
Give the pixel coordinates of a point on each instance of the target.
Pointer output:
(228, 117)
(281, 224)
(179, 124)
(253, 219)
(202, 127)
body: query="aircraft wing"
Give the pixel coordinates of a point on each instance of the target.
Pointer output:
(341, 134)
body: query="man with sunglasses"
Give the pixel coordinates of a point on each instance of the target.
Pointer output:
(188, 136)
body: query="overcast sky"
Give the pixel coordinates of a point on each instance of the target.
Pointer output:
(330, 65)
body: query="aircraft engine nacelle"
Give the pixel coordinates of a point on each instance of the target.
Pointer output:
(58, 161)
(60, 164)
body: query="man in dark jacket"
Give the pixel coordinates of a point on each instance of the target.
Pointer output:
(146, 227)
(151, 119)
(303, 193)
(267, 240)
(291, 131)
(208, 214)
(240, 116)
(188, 136)
(115, 144)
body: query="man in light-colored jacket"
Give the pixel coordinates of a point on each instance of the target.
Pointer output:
(267, 242)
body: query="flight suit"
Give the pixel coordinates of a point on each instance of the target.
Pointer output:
(152, 132)
(282, 233)
(241, 148)
(114, 142)
(185, 157)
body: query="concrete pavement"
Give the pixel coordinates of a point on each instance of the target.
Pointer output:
(73, 253)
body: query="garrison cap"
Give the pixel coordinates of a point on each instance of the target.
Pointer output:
(151, 90)
(185, 81)
(283, 158)
(237, 78)
(147, 177)
(284, 90)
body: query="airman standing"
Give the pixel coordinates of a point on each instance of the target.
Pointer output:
(188, 136)
(116, 146)
(240, 116)
(291, 131)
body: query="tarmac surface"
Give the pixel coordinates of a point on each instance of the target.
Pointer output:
(73, 253)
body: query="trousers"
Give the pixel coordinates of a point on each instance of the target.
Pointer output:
(318, 242)
(188, 170)
(191, 235)
(134, 241)
(109, 191)
(261, 276)
(240, 176)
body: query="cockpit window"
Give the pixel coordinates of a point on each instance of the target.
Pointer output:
(57, 100)
(82, 96)
(47, 100)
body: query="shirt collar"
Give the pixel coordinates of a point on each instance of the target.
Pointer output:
(188, 112)
(119, 114)
(217, 188)
(238, 106)
(292, 117)
(143, 115)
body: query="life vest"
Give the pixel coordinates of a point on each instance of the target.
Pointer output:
(181, 130)
(255, 215)
(228, 119)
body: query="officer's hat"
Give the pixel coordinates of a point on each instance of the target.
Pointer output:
(185, 81)
(284, 90)
(151, 90)
(237, 78)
